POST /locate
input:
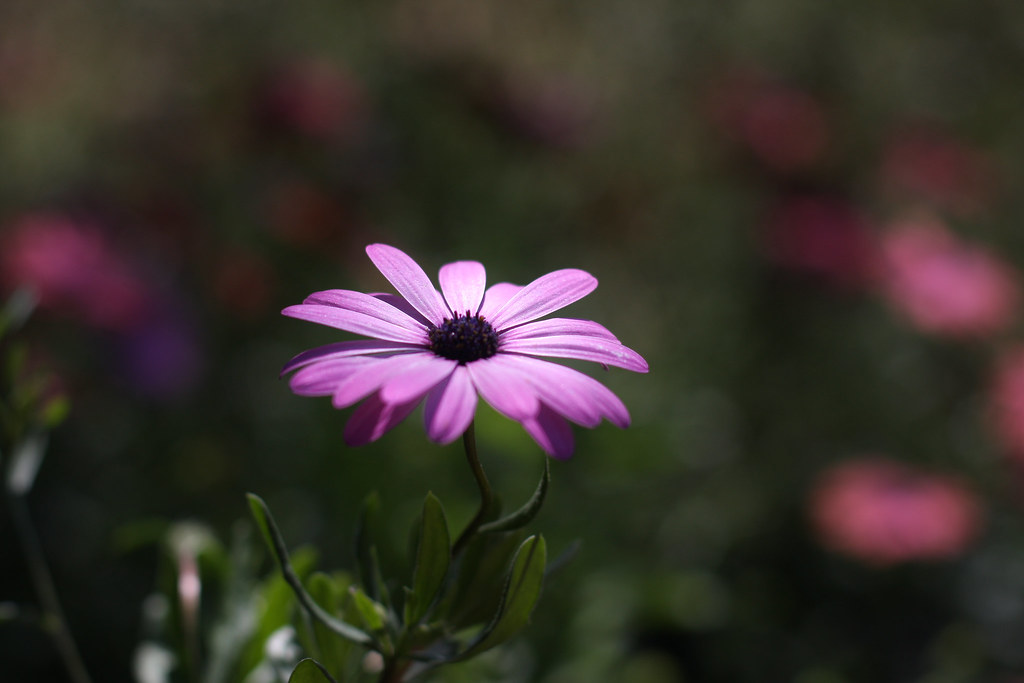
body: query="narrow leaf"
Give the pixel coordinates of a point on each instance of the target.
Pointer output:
(522, 590)
(372, 612)
(310, 671)
(525, 514)
(366, 552)
(433, 555)
(277, 546)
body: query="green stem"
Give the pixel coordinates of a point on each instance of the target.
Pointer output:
(53, 614)
(486, 495)
(393, 671)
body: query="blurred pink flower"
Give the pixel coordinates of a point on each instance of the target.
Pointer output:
(885, 512)
(946, 286)
(783, 127)
(823, 237)
(76, 270)
(449, 346)
(315, 97)
(73, 268)
(928, 164)
(1006, 402)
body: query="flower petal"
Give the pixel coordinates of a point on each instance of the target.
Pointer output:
(583, 348)
(504, 387)
(402, 305)
(558, 326)
(572, 394)
(542, 296)
(323, 378)
(373, 418)
(417, 379)
(496, 296)
(394, 370)
(359, 313)
(410, 281)
(462, 284)
(372, 376)
(450, 407)
(345, 349)
(551, 433)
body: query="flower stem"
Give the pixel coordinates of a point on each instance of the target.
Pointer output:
(393, 671)
(53, 618)
(486, 495)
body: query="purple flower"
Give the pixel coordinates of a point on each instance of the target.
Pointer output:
(452, 345)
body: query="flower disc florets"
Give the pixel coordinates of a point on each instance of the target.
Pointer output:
(464, 339)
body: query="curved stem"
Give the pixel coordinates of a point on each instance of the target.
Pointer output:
(486, 495)
(52, 613)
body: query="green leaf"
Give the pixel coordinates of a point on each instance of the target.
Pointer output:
(372, 612)
(329, 591)
(261, 513)
(276, 599)
(522, 590)
(273, 536)
(310, 671)
(375, 617)
(366, 552)
(481, 576)
(433, 555)
(525, 514)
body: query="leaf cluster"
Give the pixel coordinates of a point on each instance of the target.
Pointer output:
(455, 605)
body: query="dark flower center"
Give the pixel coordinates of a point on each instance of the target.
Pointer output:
(465, 339)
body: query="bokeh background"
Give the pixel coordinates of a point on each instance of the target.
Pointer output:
(805, 215)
